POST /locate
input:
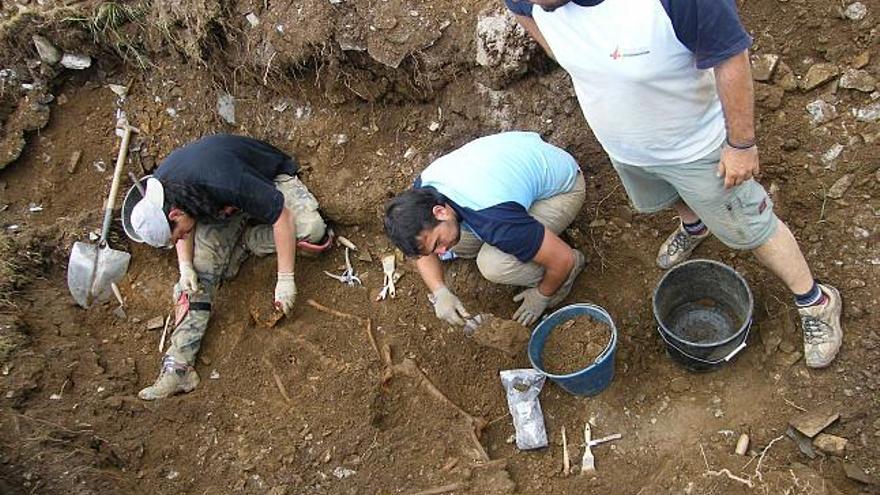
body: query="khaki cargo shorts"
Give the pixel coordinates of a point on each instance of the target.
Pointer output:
(741, 217)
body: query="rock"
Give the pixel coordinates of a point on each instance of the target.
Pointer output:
(771, 338)
(858, 79)
(215, 375)
(75, 61)
(870, 113)
(813, 422)
(830, 444)
(679, 384)
(785, 77)
(341, 472)
(73, 161)
(856, 11)
(46, 50)
(856, 283)
(861, 60)
(742, 445)
(763, 66)
(818, 74)
(839, 188)
(226, 107)
(791, 144)
(769, 96)
(156, 323)
(252, 19)
(856, 473)
(500, 42)
(787, 347)
(832, 154)
(821, 111)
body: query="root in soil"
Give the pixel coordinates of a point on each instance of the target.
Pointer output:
(574, 345)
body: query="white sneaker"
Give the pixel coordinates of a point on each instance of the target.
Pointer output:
(678, 247)
(823, 334)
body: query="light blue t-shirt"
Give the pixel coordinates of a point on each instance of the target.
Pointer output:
(492, 181)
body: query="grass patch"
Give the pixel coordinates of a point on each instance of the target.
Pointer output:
(121, 26)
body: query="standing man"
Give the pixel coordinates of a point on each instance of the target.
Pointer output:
(502, 199)
(666, 87)
(216, 200)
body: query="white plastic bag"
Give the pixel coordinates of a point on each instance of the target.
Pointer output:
(523, 387)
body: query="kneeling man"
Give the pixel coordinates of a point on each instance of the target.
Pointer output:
(216, 200)
(502, 199)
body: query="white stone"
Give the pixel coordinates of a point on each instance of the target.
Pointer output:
(496, 33)
(832, 154)
(77, 62)
(47, 51)
(226, 107)
(870, 113)
(252, 19)
(856, 11)
(821, 111)
(341, 472)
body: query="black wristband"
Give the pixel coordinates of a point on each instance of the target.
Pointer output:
(749, 145)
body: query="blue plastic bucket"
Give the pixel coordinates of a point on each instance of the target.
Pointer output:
(594, 378)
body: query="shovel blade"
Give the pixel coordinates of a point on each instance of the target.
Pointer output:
(92, 270)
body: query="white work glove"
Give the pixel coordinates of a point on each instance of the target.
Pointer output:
(285, 292)
(449, 308)
(533, 306)
(189, 280)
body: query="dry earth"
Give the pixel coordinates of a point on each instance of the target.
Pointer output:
(365, 94)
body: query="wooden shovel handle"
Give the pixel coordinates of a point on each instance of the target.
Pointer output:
(114, 186)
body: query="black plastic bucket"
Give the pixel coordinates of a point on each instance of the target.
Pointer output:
(704, 313)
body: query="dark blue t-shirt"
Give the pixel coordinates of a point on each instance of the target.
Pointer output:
(235, 170)
(711, 29)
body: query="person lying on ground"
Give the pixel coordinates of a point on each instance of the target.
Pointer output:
(666, 88)
(217, 200)
(502, 199)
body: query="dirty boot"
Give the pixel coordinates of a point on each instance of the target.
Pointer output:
(822, 332)
(678, 247)
(174, 378)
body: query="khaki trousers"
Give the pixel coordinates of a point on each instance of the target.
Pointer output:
(556, 213)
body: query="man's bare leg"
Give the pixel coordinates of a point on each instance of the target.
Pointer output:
(782, 256)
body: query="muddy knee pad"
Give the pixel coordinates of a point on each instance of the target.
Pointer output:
(298, 199)
(310, 226)
(259, 239)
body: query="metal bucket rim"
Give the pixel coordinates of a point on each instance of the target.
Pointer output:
(746, 320)
(126, 212)
(600, 359)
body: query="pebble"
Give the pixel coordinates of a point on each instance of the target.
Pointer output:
(226, 107)
(840, 186)
(46, 50)
(832, 154)
(791, 144)
(818, 74)
(821, 111)
(858, 79)
(856, 11)
(215, 375)
(830, 444)
(869, 113)
(341, 472)
(856, 283)
(763, 66)
(861, 60)
(77, 62)
(680, 384)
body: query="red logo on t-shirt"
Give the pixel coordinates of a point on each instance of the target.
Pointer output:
(616, 53)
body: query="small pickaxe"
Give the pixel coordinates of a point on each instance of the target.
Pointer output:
(588, 463)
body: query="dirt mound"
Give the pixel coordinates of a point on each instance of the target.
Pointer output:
(575, 344)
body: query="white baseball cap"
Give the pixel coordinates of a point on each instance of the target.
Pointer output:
(148, 218)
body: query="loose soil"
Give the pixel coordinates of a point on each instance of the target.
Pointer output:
(574, 345)
(365, 95)
(507, 336)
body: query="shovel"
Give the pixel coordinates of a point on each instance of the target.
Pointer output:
(93, 269)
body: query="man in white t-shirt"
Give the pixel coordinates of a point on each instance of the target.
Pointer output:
(666, 88)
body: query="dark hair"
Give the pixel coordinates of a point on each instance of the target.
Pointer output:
(408, 215)
(193, 199)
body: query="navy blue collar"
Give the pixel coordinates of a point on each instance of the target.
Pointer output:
(587, 3)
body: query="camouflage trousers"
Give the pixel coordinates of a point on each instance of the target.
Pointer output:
(220, 250)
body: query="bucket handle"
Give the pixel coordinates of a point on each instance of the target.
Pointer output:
(728, 357)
